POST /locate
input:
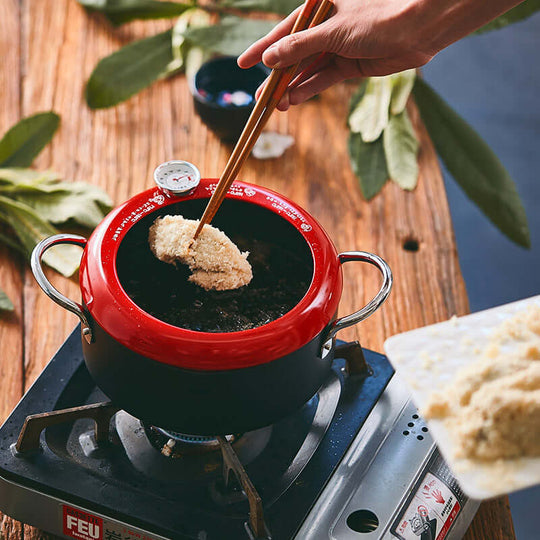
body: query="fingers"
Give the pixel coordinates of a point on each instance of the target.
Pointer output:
(293, 48)
(339, 70)
(253, 54)
(309, 67)
(284, 103)
(302, 65)
(331, 70)
(314, 85)
(329, 73)
(260, 89)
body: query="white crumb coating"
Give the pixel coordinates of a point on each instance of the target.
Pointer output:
(214, 260)
(492, 408)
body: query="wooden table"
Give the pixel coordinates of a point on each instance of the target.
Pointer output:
(49, 48)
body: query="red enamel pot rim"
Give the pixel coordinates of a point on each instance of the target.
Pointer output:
(127, 323)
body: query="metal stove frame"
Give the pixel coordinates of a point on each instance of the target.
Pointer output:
(378, 474)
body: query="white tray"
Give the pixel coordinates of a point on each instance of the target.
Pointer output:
(452, 343)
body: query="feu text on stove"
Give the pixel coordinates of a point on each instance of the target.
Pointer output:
(82, 525)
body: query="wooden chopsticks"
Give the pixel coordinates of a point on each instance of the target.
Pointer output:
(271, 95)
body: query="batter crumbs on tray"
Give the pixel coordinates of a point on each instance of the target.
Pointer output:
(214, 260)
(492, 407)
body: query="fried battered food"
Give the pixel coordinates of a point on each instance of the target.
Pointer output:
(214, 260)
(492, 408)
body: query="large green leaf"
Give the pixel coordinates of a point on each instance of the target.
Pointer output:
(283, 7)
(400, 148)
(231, 37)
(11, 241)
(182, 49)
(122, 11)
(402, 84)
(20, 180)
(25, 140)
(179, 45)
(13, 179)
(5, 302)
(473, 164)
(370, 116)
(55, 200)
(63, 206)
(519, 13)
(31, 229)
(195, 58)
(357, 96)
(130, 69)
(368, 163)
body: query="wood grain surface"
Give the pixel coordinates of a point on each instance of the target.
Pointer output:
(48, 50)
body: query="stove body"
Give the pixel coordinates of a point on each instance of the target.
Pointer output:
(355, 462)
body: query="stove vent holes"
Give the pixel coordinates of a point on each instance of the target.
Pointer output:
(416, 428)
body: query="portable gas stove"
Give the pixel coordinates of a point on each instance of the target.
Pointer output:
(355, 462)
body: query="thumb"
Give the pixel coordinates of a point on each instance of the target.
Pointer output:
(295, 47)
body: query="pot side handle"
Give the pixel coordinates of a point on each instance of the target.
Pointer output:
(373, 305)
(45, 284)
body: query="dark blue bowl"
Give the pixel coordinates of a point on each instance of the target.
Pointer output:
(224, 95)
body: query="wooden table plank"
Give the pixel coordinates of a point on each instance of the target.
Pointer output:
(54, 45)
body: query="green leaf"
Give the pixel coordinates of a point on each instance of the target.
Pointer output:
(370, 116)
(31, 229)
(25, 140)
(26, 224)
(16, 178)
(181, 47)
(5, 302)
(473, 164)
(54, 200)
(127, 71)
(402, 84)
(121, 11)
(91, 192)
(519, 13)
(64, 206)
(21, 181)
(195, 58)
(368, 163)
(283, 7)
(357, 96)
(11, 241)
(400, 148)
(231, 37)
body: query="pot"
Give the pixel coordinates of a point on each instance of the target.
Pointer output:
(201, 382)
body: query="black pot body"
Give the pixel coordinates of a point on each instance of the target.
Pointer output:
(205, 402)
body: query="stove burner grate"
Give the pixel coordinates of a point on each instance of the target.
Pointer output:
(127, 480)
(174, 444)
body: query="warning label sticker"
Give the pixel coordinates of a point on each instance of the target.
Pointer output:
(433, 507)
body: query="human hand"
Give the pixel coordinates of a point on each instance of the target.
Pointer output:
(371, 38)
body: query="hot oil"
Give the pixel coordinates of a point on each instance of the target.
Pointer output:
(280, 258)
(163, 290)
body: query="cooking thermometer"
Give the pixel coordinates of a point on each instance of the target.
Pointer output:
(177, 177)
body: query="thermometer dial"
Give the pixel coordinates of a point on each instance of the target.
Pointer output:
(177, 177)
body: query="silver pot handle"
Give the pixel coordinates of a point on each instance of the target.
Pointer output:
(380, 297)
(45, 284)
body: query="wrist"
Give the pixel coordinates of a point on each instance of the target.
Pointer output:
(442, 22)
